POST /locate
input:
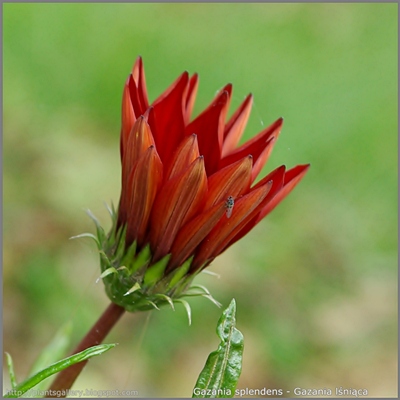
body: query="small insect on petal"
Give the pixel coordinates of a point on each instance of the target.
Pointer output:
(230, 202)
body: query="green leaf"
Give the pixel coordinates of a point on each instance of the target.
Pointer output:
(220, 375)
(23, 387)
(10, 366)
(52, 352)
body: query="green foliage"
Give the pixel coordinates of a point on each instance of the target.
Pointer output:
(51, 353)
(10, 366)
(221, 373)
(20, 389)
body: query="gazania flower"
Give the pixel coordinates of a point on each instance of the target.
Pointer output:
(188, 190)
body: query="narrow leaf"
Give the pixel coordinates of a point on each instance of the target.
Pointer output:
(222, 370)
(23, 387)
(10, 366)
(52, 352)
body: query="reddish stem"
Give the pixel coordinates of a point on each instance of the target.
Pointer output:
(66, 378)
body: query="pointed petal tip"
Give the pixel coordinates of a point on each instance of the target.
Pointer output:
(138, 63)
(184, 76)
(146, 115)
(302, 168)
(249, 98)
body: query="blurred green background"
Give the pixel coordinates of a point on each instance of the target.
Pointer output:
(315, 283)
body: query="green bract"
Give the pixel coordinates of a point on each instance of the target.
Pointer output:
(132, 281)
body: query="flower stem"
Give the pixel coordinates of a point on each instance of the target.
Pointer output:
(66, 378)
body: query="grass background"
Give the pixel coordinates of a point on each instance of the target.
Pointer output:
(315, 283)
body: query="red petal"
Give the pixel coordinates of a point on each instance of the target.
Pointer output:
(138, 108)
(191, 96)
(263, 158)
(235, 127)
(254, 146)
(177, 202)
(232, 180)
(291, 179)
(128, 118)
(184, 155)
(209, 128)
(169, 112)
(225, 229)
(144, 182)
(193, 233)
(140, 99)
(140, 139)
(277, 177)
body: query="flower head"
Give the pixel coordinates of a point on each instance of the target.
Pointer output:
(188, 189)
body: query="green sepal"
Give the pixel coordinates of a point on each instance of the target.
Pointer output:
(116, 245)
(135, 287)
(128, 258)
(111, 210)
(151, 303)
(187, 308)
(204, 293)
(105, 262)
(107, 272)
(89, 235)
(101, 235)
(221, 373)
(140, 260)
(166, 298)
(130, 278)
(179, 273)
(156, 271)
